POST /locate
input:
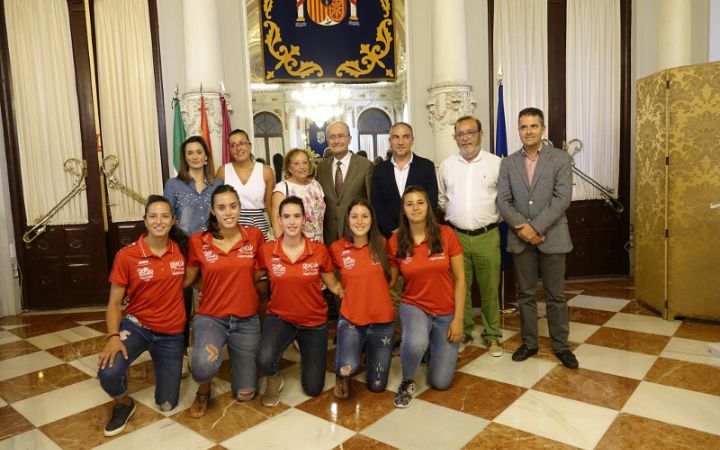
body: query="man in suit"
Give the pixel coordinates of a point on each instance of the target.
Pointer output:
(391, 177)
(468, 190)
(343, 178)
(534, 191)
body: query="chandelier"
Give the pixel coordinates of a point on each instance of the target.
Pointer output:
(320, 102)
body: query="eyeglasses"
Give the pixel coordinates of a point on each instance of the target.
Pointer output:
(240, 144)
(464, 134)
(333, 137)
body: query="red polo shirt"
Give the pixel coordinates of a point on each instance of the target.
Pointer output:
(228, 279)
(428, 279)
(296, 295)
(153, 285)
(367, 294)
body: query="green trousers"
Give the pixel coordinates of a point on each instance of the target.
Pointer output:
(482, 257)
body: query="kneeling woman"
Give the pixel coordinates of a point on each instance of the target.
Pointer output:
(150, 273)
(297, 267)
(225, 254)
(367, 312)
(431, 313)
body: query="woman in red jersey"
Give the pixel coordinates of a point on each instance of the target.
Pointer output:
(149, 272)
(367, 312)
(225, 255)
(297, 268)
(431, 313)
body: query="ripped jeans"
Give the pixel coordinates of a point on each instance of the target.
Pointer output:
(377, 339)
(166, 351)
(242, 336)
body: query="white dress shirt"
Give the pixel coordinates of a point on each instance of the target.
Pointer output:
(468, 190)
(401, 175)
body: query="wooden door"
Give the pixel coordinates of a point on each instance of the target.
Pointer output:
(68, 265)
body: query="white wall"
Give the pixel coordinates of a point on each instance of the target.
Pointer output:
(714, 25)
(478, 62)
(419, 73)
(9, 287)
(172, 56)
(233, 40)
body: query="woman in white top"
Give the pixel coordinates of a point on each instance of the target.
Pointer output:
(298, 170)
(252, 180)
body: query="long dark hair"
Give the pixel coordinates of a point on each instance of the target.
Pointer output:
(212, 226)
(184, 171)
(432, 229)
(378, 253)
(176, 234)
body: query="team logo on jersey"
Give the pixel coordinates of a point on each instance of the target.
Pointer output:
(436, 257)
(143, 262)
(349, 262)
(145, 273)
(210, 256)
(278, 270)
(407, 260)
(310, 269)
(246, 251)
(177, 267)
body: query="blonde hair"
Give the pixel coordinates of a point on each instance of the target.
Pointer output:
(291, 154)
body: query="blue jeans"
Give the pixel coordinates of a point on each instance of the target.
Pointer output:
(277, 334)
(242, 336)
(420, 331)
(377, 338)
(166, 351)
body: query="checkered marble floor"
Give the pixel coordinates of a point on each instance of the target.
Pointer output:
(643, 382)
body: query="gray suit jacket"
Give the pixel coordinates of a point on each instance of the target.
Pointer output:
(356, 184)
(542, 204)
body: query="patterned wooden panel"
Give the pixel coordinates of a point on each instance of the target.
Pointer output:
(694, 243)
(650, 190)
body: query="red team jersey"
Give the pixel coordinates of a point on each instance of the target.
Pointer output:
(367, 296)
(228, 279)
(153, 285)
(428, 280)
(296, 295)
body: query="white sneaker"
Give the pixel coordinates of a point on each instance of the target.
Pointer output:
(494, 347)
(185, 366)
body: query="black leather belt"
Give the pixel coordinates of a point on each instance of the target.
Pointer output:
(476, 232)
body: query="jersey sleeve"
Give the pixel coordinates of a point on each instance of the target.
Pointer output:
(120, 273)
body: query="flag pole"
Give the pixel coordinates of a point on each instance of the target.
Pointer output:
(504, 309)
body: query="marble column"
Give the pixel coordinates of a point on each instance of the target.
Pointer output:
(675, 21)
(292, 125)
(203, 70)
(450, 94)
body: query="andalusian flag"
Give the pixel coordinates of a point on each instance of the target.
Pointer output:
(178, 134)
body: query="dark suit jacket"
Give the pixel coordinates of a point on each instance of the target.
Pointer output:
(355, 185)
(385, 197)
(542, 204)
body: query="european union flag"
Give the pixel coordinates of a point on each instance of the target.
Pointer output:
(328, 40)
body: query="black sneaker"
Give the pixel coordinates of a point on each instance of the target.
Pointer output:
(405, 394)
(120, 415)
